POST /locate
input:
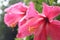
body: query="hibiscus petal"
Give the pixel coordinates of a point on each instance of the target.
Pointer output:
(11, 19)
(23, 30)
(31, 12)
(45, 9)
(54, 30)
(56, 22)
(51, 11)
(40, 34)
(20, 7)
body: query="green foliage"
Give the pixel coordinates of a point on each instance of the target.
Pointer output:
(58, 18)
(51, 2)
(29, 37)
(14, 1)
(38, 4)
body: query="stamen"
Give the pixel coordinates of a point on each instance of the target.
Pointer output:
(32, 29)
(12, 25)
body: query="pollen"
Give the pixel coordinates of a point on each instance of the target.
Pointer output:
(12, 25)
(32, 29)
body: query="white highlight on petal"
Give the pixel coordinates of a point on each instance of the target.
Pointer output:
(22, 19)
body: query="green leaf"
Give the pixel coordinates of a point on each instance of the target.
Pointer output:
(38, 4)
(29, 37)
(58, 17)
(51, 2)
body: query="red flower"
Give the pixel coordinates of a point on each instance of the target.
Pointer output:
(41, 25)
(14, 13)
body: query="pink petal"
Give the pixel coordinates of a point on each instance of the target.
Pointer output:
(15, 11)
(12, 18)
(23, 29)
(56, 22)
(45, 9)
(54, 30)
(41, 34)
(51, 11)
(18, 7)
(31, 12)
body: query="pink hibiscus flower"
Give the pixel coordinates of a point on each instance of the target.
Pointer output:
(41, 25)
(14, 13)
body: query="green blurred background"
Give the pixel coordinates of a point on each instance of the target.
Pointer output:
(7, 33)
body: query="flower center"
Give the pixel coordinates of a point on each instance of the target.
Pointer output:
(46, 20)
